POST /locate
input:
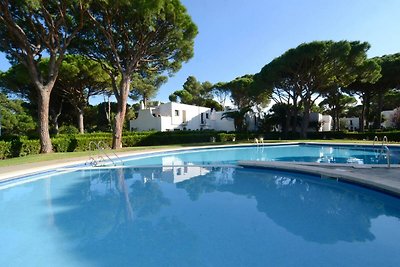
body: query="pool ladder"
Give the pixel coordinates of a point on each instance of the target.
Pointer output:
(384, 149)
(101, 158)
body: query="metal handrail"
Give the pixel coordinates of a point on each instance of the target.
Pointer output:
(384, 140)
(105, 145)
(93, 161)
(376, 139)
(386, 148)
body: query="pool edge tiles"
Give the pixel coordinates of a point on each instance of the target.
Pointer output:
(378, 178)
(46, 166)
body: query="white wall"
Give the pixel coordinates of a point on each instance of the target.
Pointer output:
(145, 121)
(326, 123)
(166, 119)
(387, 116)
(217, 124)
(351, 124)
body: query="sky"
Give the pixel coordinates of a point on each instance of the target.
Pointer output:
(238, 37)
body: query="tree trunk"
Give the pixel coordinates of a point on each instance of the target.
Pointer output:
(304, 123)
(378, 119)
(80, 121)
(43, 115)
(54, 120)
(306, 119)
(361, 122)
(54, 117)
(293, 118)
(365, 110)
(286, 124)
(337, 122)
(121, 111)
(123, 188)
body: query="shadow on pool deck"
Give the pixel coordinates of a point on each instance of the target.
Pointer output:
(378, 177)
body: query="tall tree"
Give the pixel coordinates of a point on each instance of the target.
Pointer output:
(127, 37)
(244, 92)
(238, 117)
(145, 86)
(15, 117)
(80, 79)
(196, 93)
(221, 93)
(390, 79)
(30, 28)
(310, 69)
(336, 104)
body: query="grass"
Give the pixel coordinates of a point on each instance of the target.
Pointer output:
(85, 154)
(69, 155)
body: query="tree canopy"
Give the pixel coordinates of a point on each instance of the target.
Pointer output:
(244, 92)
(306, 72)
(145, 86)
(29, 29)
(196, 93)
(127, 37)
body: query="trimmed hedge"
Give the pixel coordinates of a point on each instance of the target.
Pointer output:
(5, 149)
(24, 147)
(21, 146)
(225, 137)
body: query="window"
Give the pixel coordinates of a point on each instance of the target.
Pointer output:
(351, 122)
(206, 115)
(176, 112)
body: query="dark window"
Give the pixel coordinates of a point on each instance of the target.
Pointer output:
(176, 112)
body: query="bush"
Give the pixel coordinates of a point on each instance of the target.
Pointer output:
(225, 137)
(62, 144)
(68, 129)
(27, 147)
(5, 149)
(82, 142)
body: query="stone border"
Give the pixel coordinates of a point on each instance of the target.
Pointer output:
(377, 177)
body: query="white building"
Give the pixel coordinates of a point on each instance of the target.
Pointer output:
(387, 117)
(175, 116)
(350, 124)
(324, 121)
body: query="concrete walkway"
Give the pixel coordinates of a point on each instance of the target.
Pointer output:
(378, 177)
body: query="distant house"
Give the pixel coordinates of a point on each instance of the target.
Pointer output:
(176, 116)
(324, 122)
(387, 118)
(350, 124)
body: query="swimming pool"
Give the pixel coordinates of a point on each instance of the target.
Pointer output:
(290, 153)
(195, 215)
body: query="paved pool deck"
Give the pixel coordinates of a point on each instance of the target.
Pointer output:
(378, 177)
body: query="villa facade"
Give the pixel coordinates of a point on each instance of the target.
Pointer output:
(176, 116)
(349, 124)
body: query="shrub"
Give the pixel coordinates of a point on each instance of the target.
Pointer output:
(68, 129)
(28, 147)
(62, 144)
(225, 137)
(82, 143)
(5, 149)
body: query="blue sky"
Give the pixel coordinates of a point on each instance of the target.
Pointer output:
(238, 37)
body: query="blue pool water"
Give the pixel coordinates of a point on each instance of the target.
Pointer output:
(302, 152)
(195, 216)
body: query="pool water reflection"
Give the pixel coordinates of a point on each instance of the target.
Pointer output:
(305, 153)
(206, 216)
